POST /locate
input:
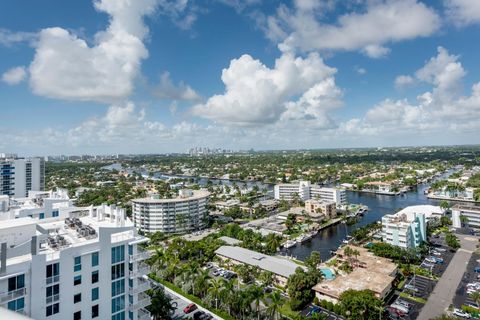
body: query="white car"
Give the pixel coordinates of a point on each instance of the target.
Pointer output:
(436, 253)
(461, 313)
(440, 249)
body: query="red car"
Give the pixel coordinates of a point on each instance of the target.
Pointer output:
(190, 308)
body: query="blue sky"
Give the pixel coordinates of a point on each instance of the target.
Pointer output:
(151, 76)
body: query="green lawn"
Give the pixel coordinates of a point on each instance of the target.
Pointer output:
(417, 299)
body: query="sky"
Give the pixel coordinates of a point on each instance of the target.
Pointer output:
(159, 76)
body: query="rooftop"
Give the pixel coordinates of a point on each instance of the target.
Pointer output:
(469, 207)
(279, 266)
(230, 241)
(196, 194)
(408, 214)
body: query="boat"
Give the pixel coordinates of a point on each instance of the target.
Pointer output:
(347, 239)
(289, 244)
(302, 238)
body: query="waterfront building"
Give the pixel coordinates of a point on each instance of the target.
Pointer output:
(304, 190)
(369, 272)
(18, 176)
(280, 267)
(466, 194)
(88, 265)
(183, 214)
(380, 187)
(321, 209)
(408, 227)
(470, 211)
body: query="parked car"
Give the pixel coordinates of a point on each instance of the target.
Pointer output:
(431, 260)
(403, 303)
(436, 253)
(440, 249)
(477, 269)
(411, 288)
(427, 265)
(400, 307)
(191, 307)
(461, 313)
(198, 315)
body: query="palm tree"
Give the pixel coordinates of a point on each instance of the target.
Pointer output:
(227, 292)
(272, 242)
(476, 297)
(192, 273)
(214, 290)
(202, 282)
(275, 301)
(256, 293)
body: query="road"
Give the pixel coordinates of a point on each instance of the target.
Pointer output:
(182, 302)
(442, 295)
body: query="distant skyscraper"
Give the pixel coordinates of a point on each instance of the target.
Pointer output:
(19, 175)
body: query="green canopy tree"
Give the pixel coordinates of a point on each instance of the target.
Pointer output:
(361, 305)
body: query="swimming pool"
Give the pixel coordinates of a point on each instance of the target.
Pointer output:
(328, 273)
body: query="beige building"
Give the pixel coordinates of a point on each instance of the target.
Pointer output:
(369, 272)
(321, 209)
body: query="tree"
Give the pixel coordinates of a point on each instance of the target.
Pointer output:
(161, 307)
(360, 304)
(313, 260)
(463, 220)
(214, 290)
(444, 204)
(272, 243)
(256, 293)
(300, 286)
(476, 298)
(266, 278)
(452, 241)
(274, 302)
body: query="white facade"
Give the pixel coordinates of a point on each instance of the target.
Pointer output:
(471, 212)
(183, 214)
(19, 176)
(87, 266)
(305, 191)
(408, 227)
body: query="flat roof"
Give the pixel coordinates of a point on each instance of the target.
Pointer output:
(279, 266)
(472, 207)
(425, 209)
(230, 241)
(12, 223)
(197, 194)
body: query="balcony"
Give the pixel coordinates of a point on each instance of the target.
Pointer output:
(53, 298)
(144, 314)
(53, 279)
(142, 269)
(143, 301)
(12, 295)
(140, 255)
(142, 286)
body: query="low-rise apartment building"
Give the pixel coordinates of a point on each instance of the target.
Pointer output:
(183, 214)
(304, 190)
(320, 209)
(469, 211)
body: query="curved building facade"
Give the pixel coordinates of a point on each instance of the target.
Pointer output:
(183, 214)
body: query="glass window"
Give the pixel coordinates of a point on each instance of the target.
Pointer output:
(53, 290)
(95, 311)
(95, 276)
(95, 294)
(118, 287)
(77, 298)
(118, 303)
(77, 264)
(94, 259)
(53, 270)
(42, 215)
(118, 271)
(15, 283)
(15, 305)
(119, 316)
(77, 280)
(55, 213)
(53, 309)
(118, 254)
(130, 250)
(77, 315)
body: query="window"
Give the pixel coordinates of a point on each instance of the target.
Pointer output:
(118, 254)
(77, 280)
(55, 213)
(77, 298)
(130, 299)
(119, 316)
(118, 287)
(16, 305)
(53, 309)
(52, 293)
(130, 250)
(95, 276)
(15, 283)
(53, 270)
(118, 304)
(77, 264)
(130, 315)
(95, 311)
(130, 283)
(42, 215)
(118, 271)
(77, 315)
(94, 294)
(94, 259)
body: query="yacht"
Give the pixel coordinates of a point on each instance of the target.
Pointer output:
(289, 244)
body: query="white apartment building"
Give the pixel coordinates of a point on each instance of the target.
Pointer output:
(408, 227)
(183, 214)
(469, 211)
(305, 191)
(18, 176)
(86, 266)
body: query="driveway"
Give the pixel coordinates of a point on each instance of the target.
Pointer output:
(444, 291)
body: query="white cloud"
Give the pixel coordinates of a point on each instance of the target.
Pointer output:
(403, 81)
(166, 89)
(66, 67)
(14, 75)
(8, 38)
(360, 70)
(441, 110)
(463, 12)
(368, 29)
(257, 94)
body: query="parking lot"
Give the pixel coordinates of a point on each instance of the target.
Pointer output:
(462, 297)
(441, 250)
(311, 310)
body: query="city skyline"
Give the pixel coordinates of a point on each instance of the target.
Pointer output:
(155, 76)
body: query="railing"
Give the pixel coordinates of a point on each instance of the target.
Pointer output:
(141, 287)
(140, 255)
(53, 298)
(11, 295)
(53, 279)
(141, 270)
(143, 301)
(144, 314)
